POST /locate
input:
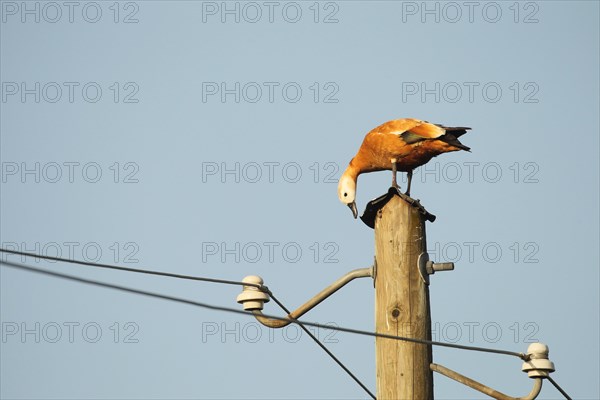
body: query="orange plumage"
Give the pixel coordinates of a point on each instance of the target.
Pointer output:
(398, 145)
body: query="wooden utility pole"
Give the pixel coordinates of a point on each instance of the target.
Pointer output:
(401, 304)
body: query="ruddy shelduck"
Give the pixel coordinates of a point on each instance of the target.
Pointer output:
(398, 145)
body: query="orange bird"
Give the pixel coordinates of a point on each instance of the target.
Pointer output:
(398, 145)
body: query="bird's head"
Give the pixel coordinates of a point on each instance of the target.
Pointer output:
(347, 193)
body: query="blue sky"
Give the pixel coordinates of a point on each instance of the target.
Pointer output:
(206, 138)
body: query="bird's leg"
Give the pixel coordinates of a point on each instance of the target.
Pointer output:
(409, 174)
(394, 183)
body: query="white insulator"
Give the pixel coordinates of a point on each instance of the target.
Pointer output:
(252, 298)
(538, 366)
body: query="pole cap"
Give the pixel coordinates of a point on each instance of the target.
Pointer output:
(252, 298)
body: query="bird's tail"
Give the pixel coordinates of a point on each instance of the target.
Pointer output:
(451, 137)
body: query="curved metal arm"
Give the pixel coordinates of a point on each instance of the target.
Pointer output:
(310, 304)
(537, 385)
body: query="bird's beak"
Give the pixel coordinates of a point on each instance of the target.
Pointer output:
(353, 208)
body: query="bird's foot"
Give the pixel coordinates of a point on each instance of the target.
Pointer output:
(405, 195)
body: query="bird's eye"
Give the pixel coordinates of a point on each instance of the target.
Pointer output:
(345, 194)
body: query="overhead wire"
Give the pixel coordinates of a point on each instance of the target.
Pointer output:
(322, 346)
(522, 356)
(264, 288)
(557, 386)
(128, 269)
(204, 279)
(302, 324)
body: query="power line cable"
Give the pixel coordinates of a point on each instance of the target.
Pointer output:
(302, 324)
(212, 280)
(325, 349)
(141, 271)
(557, 386)
(522, 356)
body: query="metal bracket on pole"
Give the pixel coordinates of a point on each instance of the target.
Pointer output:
(537, 385)
(537, 366)
(428, 267)
(374, 275)
(253, 299)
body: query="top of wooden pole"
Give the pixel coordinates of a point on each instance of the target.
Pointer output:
(375, 205)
